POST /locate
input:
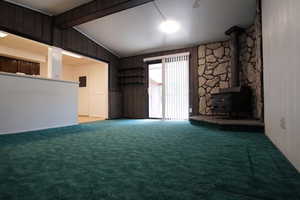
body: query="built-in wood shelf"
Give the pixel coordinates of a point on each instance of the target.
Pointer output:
(131, 68)
(133, 83)
(131, 76)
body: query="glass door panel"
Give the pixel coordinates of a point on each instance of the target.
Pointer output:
(155, 91)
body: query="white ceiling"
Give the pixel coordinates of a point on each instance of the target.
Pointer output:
(135, 31)
(50, 7)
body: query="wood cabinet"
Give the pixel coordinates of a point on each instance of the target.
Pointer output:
(12, 65)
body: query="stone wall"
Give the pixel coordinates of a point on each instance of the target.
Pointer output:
(214, 67)
(214, 72)
(259, 63)
(250, 72)
(251, 63)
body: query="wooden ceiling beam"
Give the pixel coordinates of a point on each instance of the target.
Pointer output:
(94, 10)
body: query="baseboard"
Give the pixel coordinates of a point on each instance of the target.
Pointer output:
(36, 129)
(285, 154)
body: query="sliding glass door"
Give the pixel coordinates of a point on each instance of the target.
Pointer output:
(155, 91)
(169, 88)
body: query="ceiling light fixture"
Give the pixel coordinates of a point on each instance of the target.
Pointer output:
(196, 4)
(71, 54)
(167, 26)
(3, 34)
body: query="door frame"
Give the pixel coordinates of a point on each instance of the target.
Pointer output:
(191, 72)
(147, 84)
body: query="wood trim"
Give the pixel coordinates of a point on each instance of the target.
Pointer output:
(147, 89)
(166, 56)
(94, 10)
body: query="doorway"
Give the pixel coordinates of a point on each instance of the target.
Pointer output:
(168, 87)
(92, 76)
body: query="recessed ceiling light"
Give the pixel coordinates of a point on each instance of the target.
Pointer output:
(71, 54)
(3, 34)
(169, 26)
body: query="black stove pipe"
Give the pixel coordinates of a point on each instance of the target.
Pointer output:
(234, 33)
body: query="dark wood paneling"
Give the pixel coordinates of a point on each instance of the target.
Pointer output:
(135, 96)
(115, 104)
(94, 10)
(72, 40)
(25, 22)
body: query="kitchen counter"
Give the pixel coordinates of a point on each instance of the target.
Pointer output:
(35, 77)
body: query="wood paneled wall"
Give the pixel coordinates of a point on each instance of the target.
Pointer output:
(135, 96)
(40, 27)
(25, 22)
(72, 40)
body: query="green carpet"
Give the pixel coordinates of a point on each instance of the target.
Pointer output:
(143, 160)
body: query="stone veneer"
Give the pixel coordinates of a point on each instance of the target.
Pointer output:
(214, 72)
(250, 72)
(259, 100)
(214, 67)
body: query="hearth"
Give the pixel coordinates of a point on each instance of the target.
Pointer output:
(236, 100)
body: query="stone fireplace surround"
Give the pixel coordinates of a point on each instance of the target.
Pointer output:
(214, 68)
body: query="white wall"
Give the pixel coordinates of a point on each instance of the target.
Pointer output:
(281, 48)
(93, 100)
(44, 70)
(21, 54)
(32, 104)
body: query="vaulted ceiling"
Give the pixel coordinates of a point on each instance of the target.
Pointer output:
(135, 31)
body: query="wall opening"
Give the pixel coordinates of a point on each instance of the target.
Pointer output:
(92, 76)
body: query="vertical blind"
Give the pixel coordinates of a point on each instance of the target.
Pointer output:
(176, 87)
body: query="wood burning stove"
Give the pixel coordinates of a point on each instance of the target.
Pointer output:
(236, 100)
